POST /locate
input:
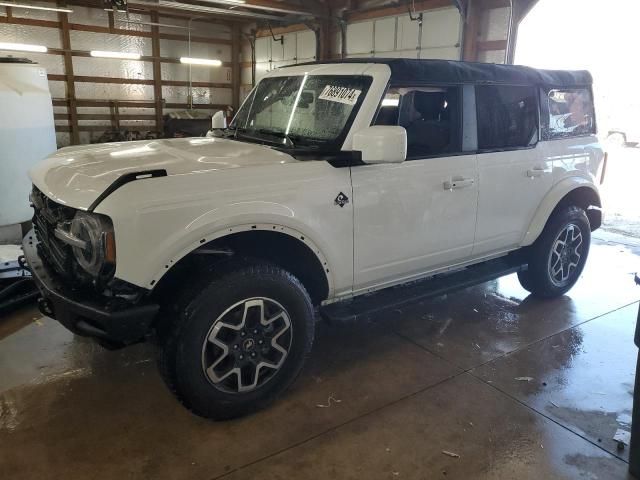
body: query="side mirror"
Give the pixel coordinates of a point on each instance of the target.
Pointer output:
(381, 144)
(219, 120)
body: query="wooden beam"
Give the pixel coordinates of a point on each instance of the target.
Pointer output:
(277, 6)
(135, 33)
(235, 66)
(29, 22)
(104, 128)
(136, 81)
(69, 78)
(157, 72)
(210, 20)
(202, 106)
(165, 12)
(89, 102)
(354, 15)
(492, 45)
(104, 116)
(298, 27)
(184, 83)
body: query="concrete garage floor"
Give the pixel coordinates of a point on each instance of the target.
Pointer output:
(406, 385)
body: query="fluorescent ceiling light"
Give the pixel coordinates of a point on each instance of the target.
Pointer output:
(151, 24)
(23, 47)
(201, 9)
(35, 7)
(230, 2)
(126, 55)
(200, 61)
(268, 8)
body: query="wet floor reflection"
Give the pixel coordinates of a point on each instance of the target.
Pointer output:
(582, 378)
(88, 412)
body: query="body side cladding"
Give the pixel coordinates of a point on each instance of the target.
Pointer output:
(250, 227)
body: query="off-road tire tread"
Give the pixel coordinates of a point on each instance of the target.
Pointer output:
(231, 275)
(536, 279)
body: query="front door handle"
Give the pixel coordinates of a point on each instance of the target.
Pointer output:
(535, 172)
(458, 182)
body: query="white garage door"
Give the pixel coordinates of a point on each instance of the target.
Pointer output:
(298, 47)
(399, 36)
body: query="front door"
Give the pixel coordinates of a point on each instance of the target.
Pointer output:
(419, 215)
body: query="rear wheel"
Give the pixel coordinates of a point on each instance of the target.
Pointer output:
(558, 256)
(239, 342)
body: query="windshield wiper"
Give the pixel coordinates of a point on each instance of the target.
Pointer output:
(275, 133)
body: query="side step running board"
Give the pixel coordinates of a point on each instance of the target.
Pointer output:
(394, 297)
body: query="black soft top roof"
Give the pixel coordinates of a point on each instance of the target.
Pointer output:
(406, 70)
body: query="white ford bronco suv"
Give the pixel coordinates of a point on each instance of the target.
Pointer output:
(334, 182)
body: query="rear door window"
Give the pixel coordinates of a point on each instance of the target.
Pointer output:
(507, 116)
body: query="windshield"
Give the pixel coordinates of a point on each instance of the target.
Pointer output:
(302, 111)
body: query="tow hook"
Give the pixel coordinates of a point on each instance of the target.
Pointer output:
(45, 307)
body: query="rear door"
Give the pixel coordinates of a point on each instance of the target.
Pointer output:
(514, 172)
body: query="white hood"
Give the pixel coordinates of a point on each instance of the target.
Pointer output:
(76, 176)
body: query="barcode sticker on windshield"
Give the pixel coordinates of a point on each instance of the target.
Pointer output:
(348, 96)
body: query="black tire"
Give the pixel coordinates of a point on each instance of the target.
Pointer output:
(525, 280)
(183, 348)
(539, 279)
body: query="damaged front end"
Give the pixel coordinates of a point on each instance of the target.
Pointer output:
(71, 255)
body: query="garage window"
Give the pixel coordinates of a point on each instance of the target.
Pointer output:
(570, 114)
(431, 116)
(507, 116)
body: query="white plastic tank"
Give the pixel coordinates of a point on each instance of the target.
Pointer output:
(27, 133)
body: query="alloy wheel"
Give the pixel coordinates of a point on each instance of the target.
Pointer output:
(247, 345)
(565, 255)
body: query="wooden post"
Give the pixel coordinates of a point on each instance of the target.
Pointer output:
(112, 23)
(157, 72)
(235, 65)
(69, 78)
(325, 39)
(471, 31)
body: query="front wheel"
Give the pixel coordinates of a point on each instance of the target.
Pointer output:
(558, 256)
(239, 341)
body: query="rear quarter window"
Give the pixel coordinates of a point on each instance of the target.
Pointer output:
(570, 113)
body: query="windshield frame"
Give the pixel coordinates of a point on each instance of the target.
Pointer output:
(326, 147)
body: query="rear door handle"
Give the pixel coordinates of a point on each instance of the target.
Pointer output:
(458, 182)
(535, 172)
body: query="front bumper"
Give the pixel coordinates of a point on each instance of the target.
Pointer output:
(114, 322)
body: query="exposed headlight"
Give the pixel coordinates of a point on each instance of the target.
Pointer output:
(93, 243)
